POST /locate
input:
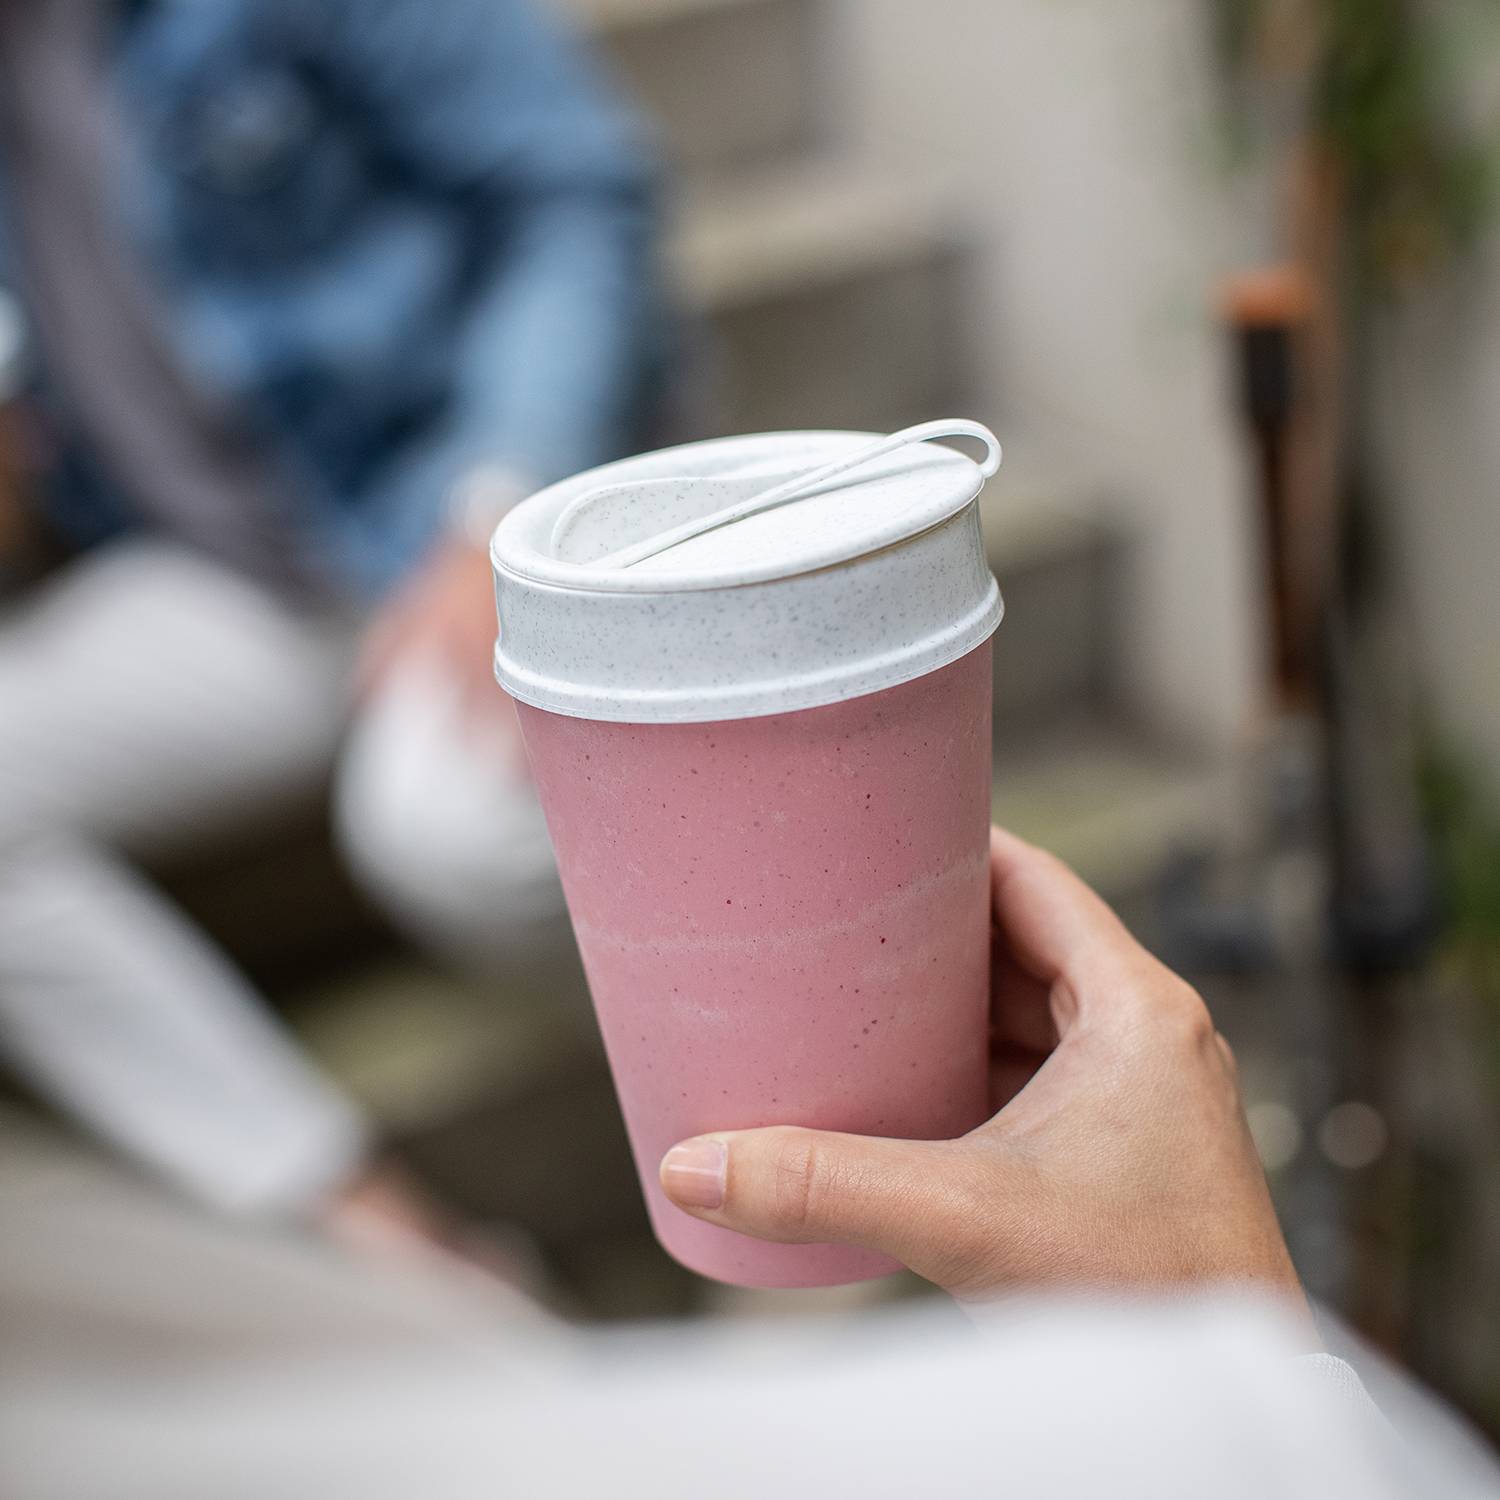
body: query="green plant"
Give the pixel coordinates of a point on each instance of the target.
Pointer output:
(1378, 99)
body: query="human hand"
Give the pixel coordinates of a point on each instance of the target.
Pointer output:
(1119, 1158)
(383, 1215)
(446, 614)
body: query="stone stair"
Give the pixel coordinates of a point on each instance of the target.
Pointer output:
(831, 293)
(730, 84)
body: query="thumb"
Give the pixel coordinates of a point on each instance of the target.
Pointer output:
(908, 1199)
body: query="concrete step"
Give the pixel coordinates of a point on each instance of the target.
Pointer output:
(830, 292)
(728, 82)
(779, 231)
(415, 1044)
(1110, 801)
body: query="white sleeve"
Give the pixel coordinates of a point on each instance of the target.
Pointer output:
(1071, 1401)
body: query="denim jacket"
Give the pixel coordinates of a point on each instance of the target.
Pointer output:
(406, 237)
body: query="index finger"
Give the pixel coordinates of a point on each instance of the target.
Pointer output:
(1054, 926)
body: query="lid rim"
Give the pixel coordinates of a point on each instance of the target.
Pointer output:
(654, 706)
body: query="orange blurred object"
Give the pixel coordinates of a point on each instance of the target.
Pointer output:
(1268, 297)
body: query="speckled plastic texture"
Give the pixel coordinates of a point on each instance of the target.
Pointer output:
(871, 580)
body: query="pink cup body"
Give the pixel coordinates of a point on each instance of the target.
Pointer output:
(784, 920)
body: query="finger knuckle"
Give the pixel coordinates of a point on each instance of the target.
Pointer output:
(973, 1225)
(1226, 1053)
(797, 1172)
(1181, 1011)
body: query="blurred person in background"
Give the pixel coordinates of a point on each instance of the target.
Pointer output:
(313, 291)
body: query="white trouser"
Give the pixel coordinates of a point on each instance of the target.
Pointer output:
(150, 700)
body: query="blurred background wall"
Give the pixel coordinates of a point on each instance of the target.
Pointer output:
(1077, 142)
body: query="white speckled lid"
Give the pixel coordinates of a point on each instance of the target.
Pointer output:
(713, 581)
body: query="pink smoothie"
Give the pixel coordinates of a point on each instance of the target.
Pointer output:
(785, 920)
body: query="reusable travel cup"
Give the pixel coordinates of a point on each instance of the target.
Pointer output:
(754, 681)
